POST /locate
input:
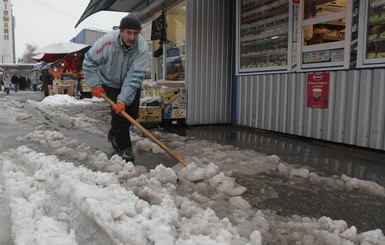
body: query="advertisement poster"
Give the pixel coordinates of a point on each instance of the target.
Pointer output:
(318, 90)
(316, 56)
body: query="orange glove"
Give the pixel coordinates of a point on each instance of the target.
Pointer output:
(98, 92)
(119, 108)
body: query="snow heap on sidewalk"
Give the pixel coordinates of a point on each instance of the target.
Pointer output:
(76, 194)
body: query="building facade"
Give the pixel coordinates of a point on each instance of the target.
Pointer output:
(7, 37)
(312, 68)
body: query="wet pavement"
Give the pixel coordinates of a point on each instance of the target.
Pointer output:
(268, 190)
(316, 155)
(300, 196)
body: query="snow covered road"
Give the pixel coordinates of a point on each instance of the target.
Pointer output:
(60, 183)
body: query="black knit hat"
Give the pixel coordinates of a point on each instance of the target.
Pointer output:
(130, 22)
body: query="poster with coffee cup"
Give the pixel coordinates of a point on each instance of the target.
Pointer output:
(318, 90)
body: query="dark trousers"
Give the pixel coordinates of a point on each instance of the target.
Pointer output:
(45, 89)
(15, 86)
(120, 126)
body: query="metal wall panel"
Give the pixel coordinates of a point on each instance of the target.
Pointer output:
(91, 36)
(208, 74)
(352, 107)
(88, 36)
(355, 114)
(377, 111)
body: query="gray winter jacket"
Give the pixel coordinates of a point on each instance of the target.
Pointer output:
(107, 63)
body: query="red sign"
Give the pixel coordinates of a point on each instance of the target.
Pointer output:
(296, 2)
(318, 90)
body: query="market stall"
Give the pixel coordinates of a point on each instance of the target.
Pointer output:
(66, 67)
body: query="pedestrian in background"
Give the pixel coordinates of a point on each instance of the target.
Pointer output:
(116, 65)
(15, 82)
(28, 82)
(34, 81)
(46, 78)
(22, 83)
(6, 83)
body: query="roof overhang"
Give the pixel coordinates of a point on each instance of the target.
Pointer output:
(19, 68)
(114, 5)
(142, 9)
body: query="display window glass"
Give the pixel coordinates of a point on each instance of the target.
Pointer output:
(325, 39)
(176, 42)
(146, 32)
(263, 35)
(172, 50)
(374, 33)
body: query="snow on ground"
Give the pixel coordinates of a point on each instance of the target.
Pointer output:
(59, 190)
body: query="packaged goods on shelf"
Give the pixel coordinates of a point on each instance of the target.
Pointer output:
(263, 34)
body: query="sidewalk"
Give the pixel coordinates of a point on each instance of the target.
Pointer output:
(267, 190)
(299, 196)
(322, 156)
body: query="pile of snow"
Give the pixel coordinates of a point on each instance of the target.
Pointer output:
(343, 182)
(50, 109)
(57, 198)
(65, 100)
(146, 209)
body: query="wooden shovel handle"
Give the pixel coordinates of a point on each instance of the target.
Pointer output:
(146, 132)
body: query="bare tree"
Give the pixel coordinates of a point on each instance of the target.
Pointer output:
(28, 53)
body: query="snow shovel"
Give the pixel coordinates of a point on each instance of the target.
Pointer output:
(148, 134)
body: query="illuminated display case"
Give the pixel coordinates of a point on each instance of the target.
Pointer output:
(325, 34)
(315, 35)
(263, 35)
(371, 50)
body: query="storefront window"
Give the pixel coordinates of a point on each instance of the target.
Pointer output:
(375, 37)
(263, 35)
(172, 51)
(146, 32)
(324, 32)
(176, 42)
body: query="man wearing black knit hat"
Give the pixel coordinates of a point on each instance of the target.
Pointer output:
(115, 66)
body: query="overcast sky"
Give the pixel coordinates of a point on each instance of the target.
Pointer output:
(41, 22)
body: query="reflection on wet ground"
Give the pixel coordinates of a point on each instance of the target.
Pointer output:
(299, 196)
(320, 156)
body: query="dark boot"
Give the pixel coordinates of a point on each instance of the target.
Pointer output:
(122, 144)
(128, 155)
(113, 141)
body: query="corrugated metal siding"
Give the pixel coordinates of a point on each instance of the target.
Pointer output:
(355, 115)
(88, 36)
(91, 36)
(208, 76)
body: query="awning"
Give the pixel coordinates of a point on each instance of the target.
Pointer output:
(42, 65)
(62, 48)
(47, 57)
(114, 5)
(55, 51)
